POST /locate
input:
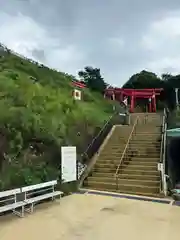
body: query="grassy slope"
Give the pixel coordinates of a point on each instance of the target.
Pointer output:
(37, 116)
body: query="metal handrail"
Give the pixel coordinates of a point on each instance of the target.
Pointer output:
(102, 129)
(161, 151)
(126, 147)
(162, 138)
(163, 154)
(164, 160)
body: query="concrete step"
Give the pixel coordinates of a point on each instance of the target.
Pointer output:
(111, 167)
(106, 165)
(126, 158)
(123, 187)
(121, 181)
(118, 139)
(104, 162)
(122, 132)
(117, 142)
(148, 128)
(126, 161)
(134, 142)
(131, 148)
(139, 134)
(138, 167)
(126, 176)
(129, 154)
(154, 195)
(105, 170)
(146, 138)
(140, 161)
(111, 153)
(115, 145)
(149, 134)
(131, 171)
(140, 177)
(119, 136)
(143, 153)
(147, 159)
(109, 158)
(118, 149)
(144, 150)
(153, 126)
(102, 174)
(144, 144)
(148, 131)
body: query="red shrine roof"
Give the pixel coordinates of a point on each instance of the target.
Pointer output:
(79, 84)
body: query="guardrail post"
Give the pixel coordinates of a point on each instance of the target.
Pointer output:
(163, 155)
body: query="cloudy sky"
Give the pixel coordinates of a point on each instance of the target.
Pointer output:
(121, 37)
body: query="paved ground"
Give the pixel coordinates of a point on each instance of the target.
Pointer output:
(90, 217)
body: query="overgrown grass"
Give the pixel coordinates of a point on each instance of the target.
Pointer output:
(37, 116)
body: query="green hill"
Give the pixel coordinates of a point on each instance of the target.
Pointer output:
(37, 116)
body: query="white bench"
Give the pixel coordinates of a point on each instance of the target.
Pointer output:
(42, 190)
(8, 202)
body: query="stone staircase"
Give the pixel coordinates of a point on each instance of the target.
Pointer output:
(138, 173)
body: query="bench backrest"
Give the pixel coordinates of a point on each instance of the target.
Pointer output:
(38, 186)
(10, 192)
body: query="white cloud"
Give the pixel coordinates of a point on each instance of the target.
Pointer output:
(162, 43)
(168, 27)
(69, 35)
(162, 34)
(23, 35)
(117, 42)
(115, 45)
(67, 59)
(164, 65)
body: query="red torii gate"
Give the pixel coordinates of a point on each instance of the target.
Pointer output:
(119, 94)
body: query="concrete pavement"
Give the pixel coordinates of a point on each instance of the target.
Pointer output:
(91, 217)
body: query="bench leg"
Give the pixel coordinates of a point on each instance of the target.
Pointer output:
(22, 211)
(54, 197)
(30, 209)
(19, 213)
(60, 196)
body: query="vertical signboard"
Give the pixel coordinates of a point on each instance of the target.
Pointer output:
(77, 94)
(68, 164)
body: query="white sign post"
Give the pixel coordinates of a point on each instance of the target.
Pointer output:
(160, 167)
(68, 164)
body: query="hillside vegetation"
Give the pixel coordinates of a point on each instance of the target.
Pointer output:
(37, 116)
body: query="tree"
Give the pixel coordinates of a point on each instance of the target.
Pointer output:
(166, 76)
(144, 80)
(93, 79)
(171, 82)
